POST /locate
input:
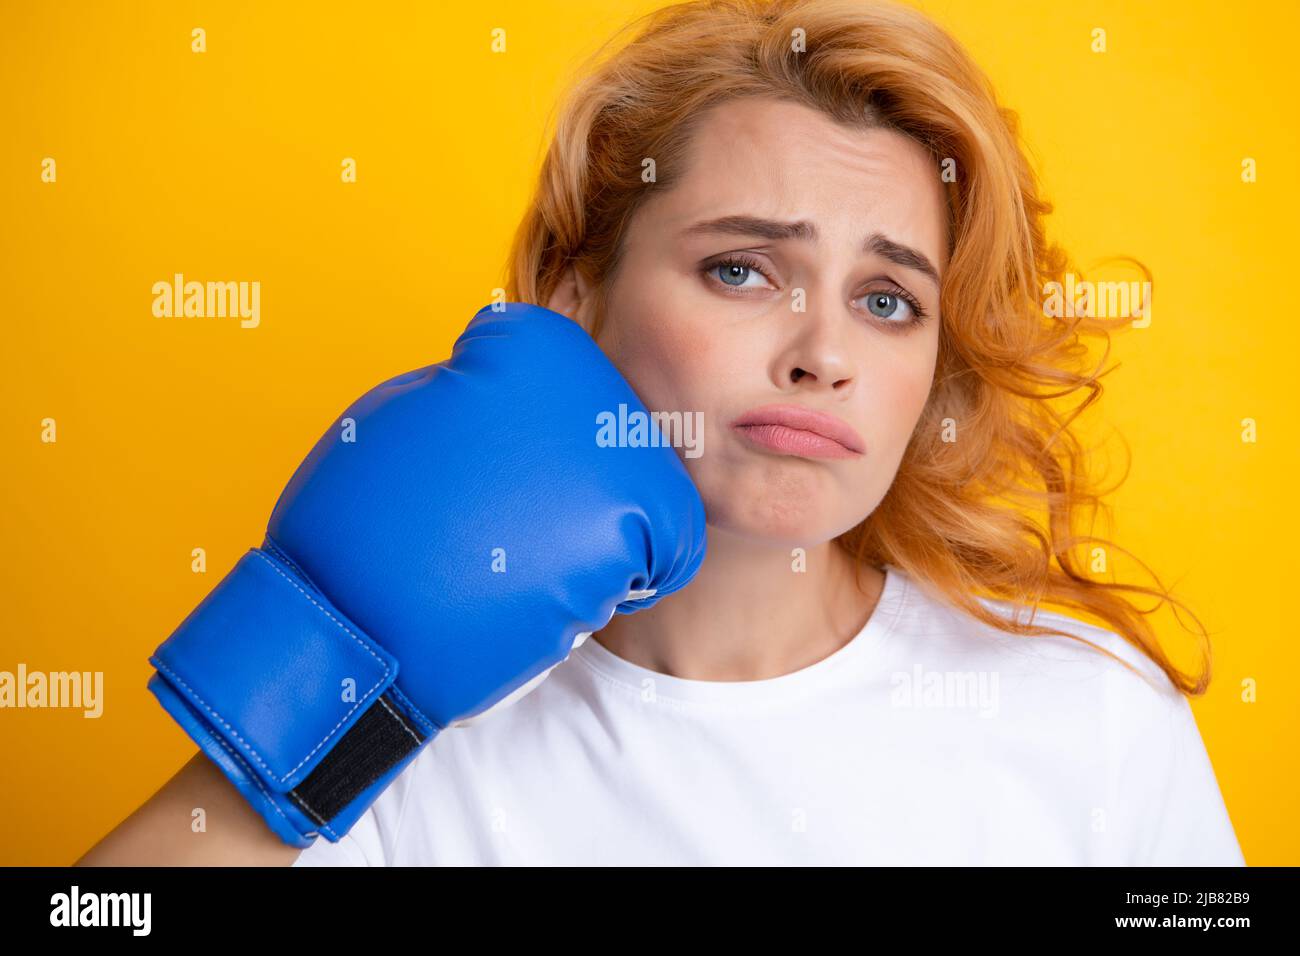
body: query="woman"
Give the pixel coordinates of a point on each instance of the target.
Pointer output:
(812, 223)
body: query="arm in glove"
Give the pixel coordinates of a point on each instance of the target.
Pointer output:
(439, 550)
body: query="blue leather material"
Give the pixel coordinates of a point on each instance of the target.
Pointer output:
(518, 468)
(443, 543)
(252, 687)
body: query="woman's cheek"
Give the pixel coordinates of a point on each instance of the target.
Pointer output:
(896, 406)
(674, 363)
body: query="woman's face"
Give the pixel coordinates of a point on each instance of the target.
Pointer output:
(734, 318)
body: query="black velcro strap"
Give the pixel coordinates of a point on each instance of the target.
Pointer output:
(373, 745)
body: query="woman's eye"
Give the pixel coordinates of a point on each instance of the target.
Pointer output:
(736, 274)
(889, 306)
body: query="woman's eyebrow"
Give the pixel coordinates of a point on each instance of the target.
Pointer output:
(905, 256)
(777, 230)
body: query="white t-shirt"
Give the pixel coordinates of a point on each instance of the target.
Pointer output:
(927, 739)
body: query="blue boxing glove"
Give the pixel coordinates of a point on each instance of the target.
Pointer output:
(437, 553)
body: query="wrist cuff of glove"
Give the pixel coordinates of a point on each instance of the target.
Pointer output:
(293, 701)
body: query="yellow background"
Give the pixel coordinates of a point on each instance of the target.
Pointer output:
(225, 165)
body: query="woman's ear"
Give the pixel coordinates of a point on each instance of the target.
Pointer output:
(573, 297)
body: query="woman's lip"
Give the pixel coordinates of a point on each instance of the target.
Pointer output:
(796, 430)
(794, 441)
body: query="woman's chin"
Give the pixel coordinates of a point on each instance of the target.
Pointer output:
(774, 529)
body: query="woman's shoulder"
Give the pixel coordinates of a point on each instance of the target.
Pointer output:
(1078, 653)
(1111, 706)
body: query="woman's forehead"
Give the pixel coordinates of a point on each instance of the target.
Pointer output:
(784, 162)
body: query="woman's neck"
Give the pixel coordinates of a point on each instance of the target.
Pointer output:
(750, 613)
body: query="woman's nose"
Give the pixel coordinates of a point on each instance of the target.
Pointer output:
(818, 356)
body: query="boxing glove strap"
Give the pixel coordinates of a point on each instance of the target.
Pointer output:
(374, 744)
(288, 696)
